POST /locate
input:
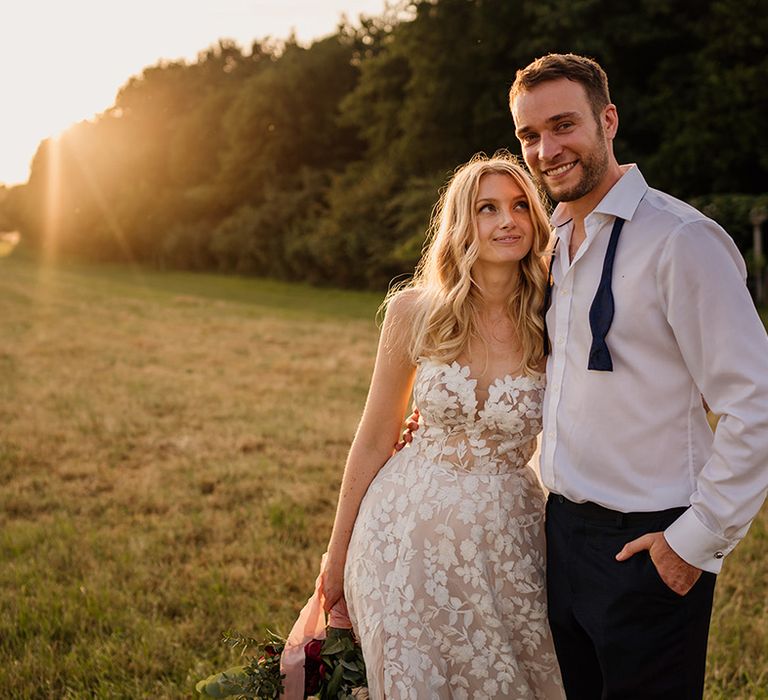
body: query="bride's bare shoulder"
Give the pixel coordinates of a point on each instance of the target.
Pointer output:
(403, 305)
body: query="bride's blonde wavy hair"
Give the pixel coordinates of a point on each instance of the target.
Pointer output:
(445, 311)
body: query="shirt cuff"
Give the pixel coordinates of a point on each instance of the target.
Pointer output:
(696, 544)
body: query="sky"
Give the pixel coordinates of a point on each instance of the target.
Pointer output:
(62, 61)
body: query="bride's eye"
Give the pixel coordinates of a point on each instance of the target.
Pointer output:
(486, 208)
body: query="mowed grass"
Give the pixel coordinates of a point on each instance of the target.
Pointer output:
(171, 447)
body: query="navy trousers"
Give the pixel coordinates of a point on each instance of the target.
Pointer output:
(620, 632)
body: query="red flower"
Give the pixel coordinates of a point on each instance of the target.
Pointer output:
(312, 649)
(314, 669)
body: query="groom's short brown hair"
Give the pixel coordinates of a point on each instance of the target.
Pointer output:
(579, 69)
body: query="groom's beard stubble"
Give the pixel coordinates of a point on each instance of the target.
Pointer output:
(594, 164)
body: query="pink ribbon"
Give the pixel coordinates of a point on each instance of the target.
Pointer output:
(310, 625)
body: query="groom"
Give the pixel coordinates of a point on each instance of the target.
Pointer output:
(649, 312)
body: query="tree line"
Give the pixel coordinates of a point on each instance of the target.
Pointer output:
(322, 163)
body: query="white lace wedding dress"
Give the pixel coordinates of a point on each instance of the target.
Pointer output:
(445, 569)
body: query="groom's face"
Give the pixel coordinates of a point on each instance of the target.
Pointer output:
(564, 145)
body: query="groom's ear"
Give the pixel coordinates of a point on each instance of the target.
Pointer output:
(610, 120)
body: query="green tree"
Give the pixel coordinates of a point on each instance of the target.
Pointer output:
(322, 163)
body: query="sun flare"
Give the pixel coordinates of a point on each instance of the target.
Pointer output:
(61, 63)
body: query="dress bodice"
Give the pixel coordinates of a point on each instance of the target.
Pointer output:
(496, 438)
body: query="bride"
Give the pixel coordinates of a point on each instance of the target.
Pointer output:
(439, 549)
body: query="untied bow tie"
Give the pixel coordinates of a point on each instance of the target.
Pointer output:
(601, 311)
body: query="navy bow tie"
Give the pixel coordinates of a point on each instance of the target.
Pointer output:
(601, 311)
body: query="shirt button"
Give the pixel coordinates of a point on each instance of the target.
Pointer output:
(719, 555)
(560, 340)
(551, 436)
(563, 292)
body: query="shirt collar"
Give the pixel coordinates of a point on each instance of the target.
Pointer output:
(620, 201)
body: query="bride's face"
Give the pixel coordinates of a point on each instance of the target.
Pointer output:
(504, 226)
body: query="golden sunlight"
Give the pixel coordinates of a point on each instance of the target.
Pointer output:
(8, 241)
(52, 199)
(61, 63)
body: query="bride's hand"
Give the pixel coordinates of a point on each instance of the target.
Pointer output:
(332, 582)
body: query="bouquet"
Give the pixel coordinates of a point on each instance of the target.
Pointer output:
(318, 659)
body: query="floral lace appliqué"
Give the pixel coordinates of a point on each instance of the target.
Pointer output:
(445, 574)
(498, 438)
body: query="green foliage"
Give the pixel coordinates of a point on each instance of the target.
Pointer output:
(343, 658)
(285, 119)
(732, 212)
(321, 163)
(260, 678)
(340, 655)
(233, 681)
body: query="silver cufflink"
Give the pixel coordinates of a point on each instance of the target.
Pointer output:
(719, 555)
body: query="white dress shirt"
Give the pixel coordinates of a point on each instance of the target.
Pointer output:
(637, 438)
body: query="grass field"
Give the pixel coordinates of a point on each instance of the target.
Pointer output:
(170, 450)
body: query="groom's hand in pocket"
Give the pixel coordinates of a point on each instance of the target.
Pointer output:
(676, 573)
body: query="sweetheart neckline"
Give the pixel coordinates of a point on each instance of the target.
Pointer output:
(476, 413)
(469, 378)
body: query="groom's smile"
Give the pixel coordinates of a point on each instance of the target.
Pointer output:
(557, 172)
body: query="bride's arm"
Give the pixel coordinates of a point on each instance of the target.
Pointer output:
(377, 433)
